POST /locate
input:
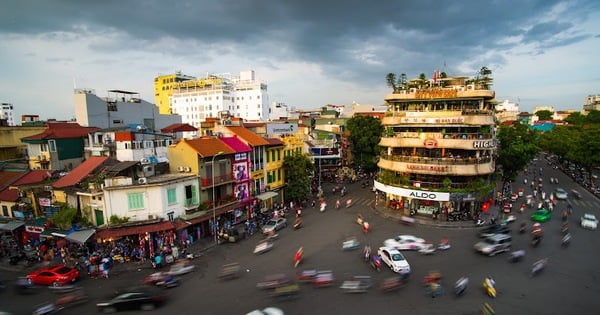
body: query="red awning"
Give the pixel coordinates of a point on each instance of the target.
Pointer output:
(133, 230)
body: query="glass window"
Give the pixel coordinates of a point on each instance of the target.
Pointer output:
(52, 145)
(171, 196)
(135, 201)
(279, 175)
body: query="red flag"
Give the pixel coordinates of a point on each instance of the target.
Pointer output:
(435, 76)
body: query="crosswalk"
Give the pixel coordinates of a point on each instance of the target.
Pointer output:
(585, 204)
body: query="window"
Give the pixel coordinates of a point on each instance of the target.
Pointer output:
(135, 201)
(279, 175)
(44, 147)
(52, 145)
(171, 196)
(278, 155)
(191, 195)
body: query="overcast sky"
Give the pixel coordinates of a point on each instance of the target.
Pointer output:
(310, 53)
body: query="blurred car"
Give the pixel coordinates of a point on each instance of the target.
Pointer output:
(394, 259)
(267, 311)
(53, 275)
(145, 298)
(274, 225)
(405, 242)
(493, 229)
(541, 215)
(589, 221)
(560, 194)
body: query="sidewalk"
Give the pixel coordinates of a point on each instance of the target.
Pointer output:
(418, 220)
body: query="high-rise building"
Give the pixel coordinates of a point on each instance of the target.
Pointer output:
(438, 146)
(163, 86)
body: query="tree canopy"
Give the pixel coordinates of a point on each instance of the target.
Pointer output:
(517, 147)
(365, 134)
(544, 114)
(297, 169)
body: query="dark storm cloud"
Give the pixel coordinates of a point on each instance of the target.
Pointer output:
(365, 39)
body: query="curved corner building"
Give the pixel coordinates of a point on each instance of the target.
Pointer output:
(438, 149)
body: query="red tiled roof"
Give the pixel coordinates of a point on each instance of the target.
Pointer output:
(133, 230)
(6, 177)
(178, 127)
(254, 124)
(236, 144)
(274, 141)
(208, 146)
(248, 136)
(62, 131)
(80, 172)
(25, 178)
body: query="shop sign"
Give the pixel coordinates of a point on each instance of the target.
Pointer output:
(412, 193)
(422, 167)
(45, 202)
(34, 229)
(430, 143)
(484, 144)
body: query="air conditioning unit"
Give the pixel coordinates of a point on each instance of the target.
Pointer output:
(142, 180)
(181, 168)
(148, 168)
(187, 169)
(151, 217)
(412, 90)
(461, 88)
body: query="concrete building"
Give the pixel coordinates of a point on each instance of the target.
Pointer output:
(507, 111)
(118, 109)
(282, 111)
(592, 102)
(163, 89)
(6, 113)
(438, 149)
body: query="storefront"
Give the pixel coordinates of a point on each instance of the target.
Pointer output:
(411, 201)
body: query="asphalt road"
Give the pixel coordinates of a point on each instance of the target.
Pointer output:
(570, 284)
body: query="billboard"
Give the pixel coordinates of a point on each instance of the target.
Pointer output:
(278, 128)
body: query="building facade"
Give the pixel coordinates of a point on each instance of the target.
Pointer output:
(118, 109)
(163, 87)
(6, 113)
(438, 149)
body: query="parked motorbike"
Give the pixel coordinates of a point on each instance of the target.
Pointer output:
(489, 285)
(461, 286)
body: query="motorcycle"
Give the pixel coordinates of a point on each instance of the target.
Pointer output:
(538, 266)
(367, 253)
(461, 286)
(535, 241)
(566, 240)
(350, 243)
(297, 223)
(298, 257)
(516, 256)
(376, 263)
(489, 285)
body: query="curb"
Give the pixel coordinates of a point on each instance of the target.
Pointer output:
(385, 214)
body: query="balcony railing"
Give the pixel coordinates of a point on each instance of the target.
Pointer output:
(437, 161)
(189, 202)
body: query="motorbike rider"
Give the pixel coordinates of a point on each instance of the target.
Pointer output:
(337, 204)
(376, 262)
(367, 252)
(298, 256)
(566, 239)
(461, 285)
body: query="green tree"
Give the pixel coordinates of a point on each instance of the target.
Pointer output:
(560, 141)
(365, 134)
(517, 147)
(297, 169)
(576, 118)
(544, 114)
(65, 217)
(391, 81)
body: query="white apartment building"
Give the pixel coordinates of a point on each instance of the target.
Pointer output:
(241, 96)
(279, 110)
(7, 113)
(592, 102)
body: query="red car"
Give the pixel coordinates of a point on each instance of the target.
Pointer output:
(55, 275)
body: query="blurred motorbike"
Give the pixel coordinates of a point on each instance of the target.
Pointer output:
(461, 286)
(489, 285)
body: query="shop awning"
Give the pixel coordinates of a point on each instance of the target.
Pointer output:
(133, 230)
(266, 195)
(11, 226)
(80, 236)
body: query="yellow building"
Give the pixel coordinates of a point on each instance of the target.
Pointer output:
(11, 146)
(163, 89)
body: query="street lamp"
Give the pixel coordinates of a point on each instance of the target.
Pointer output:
(213, 195)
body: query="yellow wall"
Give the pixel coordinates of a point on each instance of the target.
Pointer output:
(60, 196)
(9, 205)
(274, 167)
(11, 146)
(181, 154)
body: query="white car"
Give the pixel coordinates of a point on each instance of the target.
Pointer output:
(394, 259)
(267, 311)
(589, 221)
(405, 242)
(560, 194)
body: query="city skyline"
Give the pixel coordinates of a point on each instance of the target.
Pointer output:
(310, 53)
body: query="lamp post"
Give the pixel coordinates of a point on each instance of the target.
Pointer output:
(213, 194)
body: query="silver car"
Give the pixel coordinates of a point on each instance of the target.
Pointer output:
(274, 225)
(560, 194)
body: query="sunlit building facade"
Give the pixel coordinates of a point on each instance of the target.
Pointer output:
(438, 149)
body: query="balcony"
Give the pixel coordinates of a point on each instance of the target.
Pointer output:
(219, 180)
(437, 166)
(465, 141)
(439, 118)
